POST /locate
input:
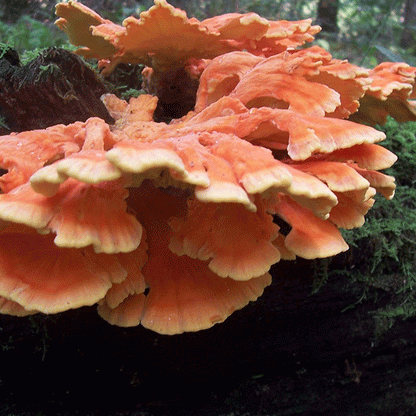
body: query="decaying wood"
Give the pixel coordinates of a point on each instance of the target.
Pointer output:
(56, 87)
(293, 352)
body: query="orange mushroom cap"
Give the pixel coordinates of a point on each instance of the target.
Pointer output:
(22, 154)
(76, 21)
(349, 213)
(221, 76)
(310, 237)
(240, 249)
(39, 276)
(238, 26)
(8, 307)
(283, 35)
(307, 81)
(281, 82)
(179, 39)
(184, 294)
(79, 214)
(391, 92)
(141, 40)
(196, 139)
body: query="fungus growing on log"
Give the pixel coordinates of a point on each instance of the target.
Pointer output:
(170, 224)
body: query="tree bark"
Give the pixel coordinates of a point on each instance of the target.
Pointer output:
(56, 87)
(327, 15)
(408, 35)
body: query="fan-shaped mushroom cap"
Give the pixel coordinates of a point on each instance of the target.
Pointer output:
(187, 296)
(389, 93)
(79, 214)
(126, 314)
(76, 21)
(184, 294)
(124, 302)
(8, 307)
(281, 82)
(311, 193)
(240, 249)
(308, 135)
(283, 35)
(89, 166)
(221, 76)
(349, 81)
(22, 154)
(222, 167)
(391, 77)
(143, 40)
(310, 237)
(179, 39)
(366, 155)
(308, 81)
(339, 177)
(325, 135)
(349, 213)
(65, 278)
(238, 26)
(384, 184)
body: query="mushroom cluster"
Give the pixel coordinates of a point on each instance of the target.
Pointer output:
(171, 224)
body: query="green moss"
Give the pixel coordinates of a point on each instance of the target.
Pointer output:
(384, 249)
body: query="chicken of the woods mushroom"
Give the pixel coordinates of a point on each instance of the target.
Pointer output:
(170, 224)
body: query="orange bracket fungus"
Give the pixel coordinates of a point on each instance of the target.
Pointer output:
(169, 224)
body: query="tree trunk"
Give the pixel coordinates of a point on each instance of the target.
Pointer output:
(327, 15)
(408, 34)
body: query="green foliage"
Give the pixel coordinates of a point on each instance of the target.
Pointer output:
(28, 34)
(271, 9)
(369, 32)
(120, 11)
(3, 122)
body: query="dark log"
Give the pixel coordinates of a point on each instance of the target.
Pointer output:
(56, 87)
(293, 352)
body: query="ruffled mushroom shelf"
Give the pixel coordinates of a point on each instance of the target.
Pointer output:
(170, 225)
